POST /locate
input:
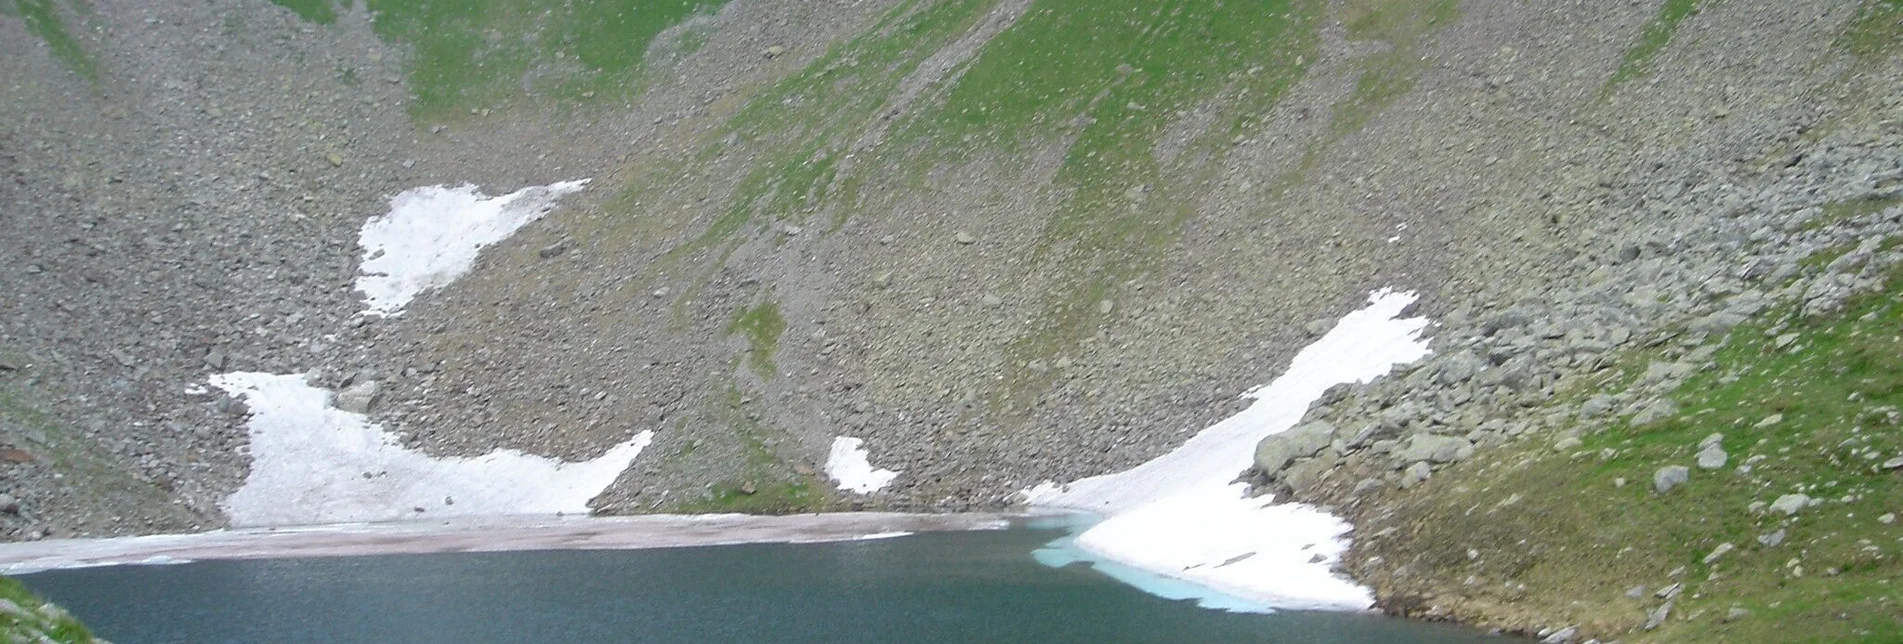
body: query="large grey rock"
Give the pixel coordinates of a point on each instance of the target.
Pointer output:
(1275, 452)
(1655, 411)
(1439, 449)
(1789, 504)
(1669, 477)
(359, 398)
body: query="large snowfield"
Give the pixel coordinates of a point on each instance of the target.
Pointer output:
(1182, 517)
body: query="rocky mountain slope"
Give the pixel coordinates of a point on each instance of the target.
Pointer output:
(1001, 241)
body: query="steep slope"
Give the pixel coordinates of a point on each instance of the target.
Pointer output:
(1000, 241)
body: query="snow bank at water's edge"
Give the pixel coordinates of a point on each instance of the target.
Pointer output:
(313, 463)
(1182, 518)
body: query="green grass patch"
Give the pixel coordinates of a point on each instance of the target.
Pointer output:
(322, 12)
(61, 627)
(1877, 30)
(42, 18)
(1558, 523)
(492, 53)
(1652, 40)
(1107, 79)
(1848, 209)
(762, 325)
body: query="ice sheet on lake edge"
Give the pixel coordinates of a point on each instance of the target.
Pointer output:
(1179, 527)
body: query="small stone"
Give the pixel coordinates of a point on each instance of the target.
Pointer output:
(1658, 615)
(964, 238)
(1719, 552)
(991, 301)
(1736, 613)
(449, 500)
(1711, 458)
(1669, 477)
(9, 505)
(1789, 504)
(1367, 486)
(358, 398)
(1106, 306)
(335, 159)
(1416, 474)
(1635, 592)
(1772, 539)
(773, 52)
(1887, 518)
(1768, 421)
(1669, 592)
(1567, 444)
(748, 488)
(1894, 463)
(1562, 636)
(1716, 439)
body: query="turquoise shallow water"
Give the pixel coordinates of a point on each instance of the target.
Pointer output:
(938, 587)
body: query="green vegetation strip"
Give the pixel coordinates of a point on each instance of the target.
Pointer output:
(42, 19)
(26, 618)
(1656, 35)
(762, 325)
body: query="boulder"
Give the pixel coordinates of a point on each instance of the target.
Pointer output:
(1275, 452)
(1669, 477)
(1439, 449)
(358, 399)
(1789, 504)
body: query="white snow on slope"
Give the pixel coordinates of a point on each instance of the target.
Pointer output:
(1181, 516)
(312, 463)
(432, 235)
(848, 465)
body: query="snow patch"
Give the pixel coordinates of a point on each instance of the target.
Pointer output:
(1181, 516)
(432, 235)
(847, 465)
(313, 463)
(883, 535)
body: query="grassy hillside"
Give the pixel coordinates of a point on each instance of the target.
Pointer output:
(24, 617)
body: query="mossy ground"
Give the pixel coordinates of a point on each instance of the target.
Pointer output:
(1559, 522)
(762, 325)
(763, 482)
(1877, 31)
(1652, 40)
(64, 630)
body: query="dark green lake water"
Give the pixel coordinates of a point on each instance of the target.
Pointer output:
(940, 587)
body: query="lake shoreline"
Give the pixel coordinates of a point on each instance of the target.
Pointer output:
(485, 534)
